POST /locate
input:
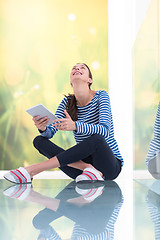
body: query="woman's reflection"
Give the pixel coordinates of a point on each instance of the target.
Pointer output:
(93, 208)
(153, 203)
(153, 157)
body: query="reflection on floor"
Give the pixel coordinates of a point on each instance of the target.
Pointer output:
(147, 209)
(60, 209)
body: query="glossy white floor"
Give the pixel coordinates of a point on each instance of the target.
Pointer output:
(122, 209)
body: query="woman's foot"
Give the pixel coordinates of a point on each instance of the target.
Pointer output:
(91, 166)
(29, 170)
(89, 175)
(18, 191)
(90, 194)
(18, 176)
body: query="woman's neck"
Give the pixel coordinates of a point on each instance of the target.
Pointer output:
(83, 95)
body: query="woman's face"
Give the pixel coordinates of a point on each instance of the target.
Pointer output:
(80, 73)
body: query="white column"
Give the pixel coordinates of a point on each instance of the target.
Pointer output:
(120, 42)
(124, 21)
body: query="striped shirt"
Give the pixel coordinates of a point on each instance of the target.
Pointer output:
(155, 143)
(80, 233)
(94, 118)
(155, 217)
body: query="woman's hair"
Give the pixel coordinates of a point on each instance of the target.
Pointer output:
(90, 74)
(71, 105)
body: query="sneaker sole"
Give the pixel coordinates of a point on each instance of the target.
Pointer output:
(15, 182)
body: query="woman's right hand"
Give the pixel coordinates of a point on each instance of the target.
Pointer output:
(41, 123)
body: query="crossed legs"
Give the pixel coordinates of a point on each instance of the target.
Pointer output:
(94, 152)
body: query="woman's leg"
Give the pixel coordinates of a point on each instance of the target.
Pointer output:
(102, 157)
(96, 146)
(46, 147)
(105, 161)
(49, 150)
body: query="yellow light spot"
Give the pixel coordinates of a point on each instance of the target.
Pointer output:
(92, 30)
(95, 65)
(72, 17)
(36, 87)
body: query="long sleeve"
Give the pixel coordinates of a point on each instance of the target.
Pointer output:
(155, 142)
(157, 124)
(104, 125)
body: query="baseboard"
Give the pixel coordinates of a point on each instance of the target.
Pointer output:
(137, 174)
(45, 175)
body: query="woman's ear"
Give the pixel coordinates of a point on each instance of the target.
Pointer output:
(89, 80)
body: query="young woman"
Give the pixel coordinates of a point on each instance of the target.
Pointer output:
(96, 156)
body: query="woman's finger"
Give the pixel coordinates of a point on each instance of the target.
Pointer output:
(41, 123)
(35, 118)
(58, 120)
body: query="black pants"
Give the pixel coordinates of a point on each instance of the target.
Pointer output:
(93, 150)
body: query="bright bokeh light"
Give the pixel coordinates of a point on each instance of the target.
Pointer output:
(92, 30)
(36, 87)
(72, 17)
(95, 65)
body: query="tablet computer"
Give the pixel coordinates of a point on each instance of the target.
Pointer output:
(42, 111)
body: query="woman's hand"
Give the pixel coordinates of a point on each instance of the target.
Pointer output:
(41, 123)
(65, 124)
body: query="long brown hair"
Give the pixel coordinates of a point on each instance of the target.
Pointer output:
(71, 105)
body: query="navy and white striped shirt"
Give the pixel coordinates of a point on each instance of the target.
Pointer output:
(155, 143)
(155, 217)
(79, 233)
(94, 118)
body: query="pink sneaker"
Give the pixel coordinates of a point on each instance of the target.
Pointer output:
(89, 174)
(18, 191)
(90, 194)
(19, 175)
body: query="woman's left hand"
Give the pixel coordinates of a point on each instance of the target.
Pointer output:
(65, 124)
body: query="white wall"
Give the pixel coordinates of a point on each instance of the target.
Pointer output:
(124, 19)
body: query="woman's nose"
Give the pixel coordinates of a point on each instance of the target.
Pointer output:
(77, 68)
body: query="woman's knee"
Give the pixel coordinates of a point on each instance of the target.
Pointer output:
(39, 221)
(98, 138)
(37, 141)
